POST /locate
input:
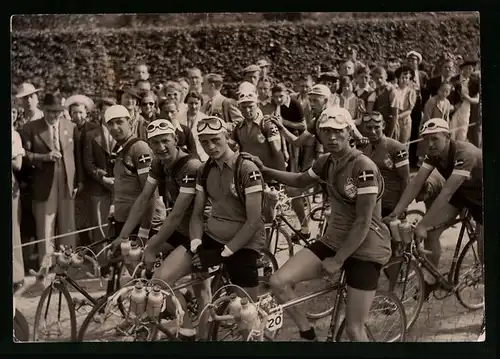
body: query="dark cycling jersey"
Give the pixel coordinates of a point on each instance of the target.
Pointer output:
(463, 159)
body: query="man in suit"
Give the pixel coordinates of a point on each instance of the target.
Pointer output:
(414, 60)
(96, 158)
(447, 75)
(51, 145)
(219, 105)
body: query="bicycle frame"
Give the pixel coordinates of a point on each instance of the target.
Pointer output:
(446, 282)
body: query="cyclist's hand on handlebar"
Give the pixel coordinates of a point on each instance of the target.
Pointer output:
(331, 265)
(391, 217)
(420, 232)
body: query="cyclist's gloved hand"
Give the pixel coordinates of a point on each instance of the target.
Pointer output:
(202, 260)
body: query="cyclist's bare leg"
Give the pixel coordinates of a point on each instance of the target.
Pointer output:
(304, 265)
(204, 297)
(177, 265)
(432, 242)
(298, 208)
(357, 311)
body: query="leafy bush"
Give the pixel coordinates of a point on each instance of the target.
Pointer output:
(97, 61)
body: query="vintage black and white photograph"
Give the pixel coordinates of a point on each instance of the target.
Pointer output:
(247, 177)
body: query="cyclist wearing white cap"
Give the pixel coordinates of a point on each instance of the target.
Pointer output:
(461, 165)
(173, 172)
(234, 231)
(132, 162)
(355, 239)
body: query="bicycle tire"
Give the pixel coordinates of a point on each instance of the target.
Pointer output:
(214, 326)
(83, 328)
(399, 308)
(276, 231)
(21, 327)
(456, 277)
(61, 287)
(411, 318)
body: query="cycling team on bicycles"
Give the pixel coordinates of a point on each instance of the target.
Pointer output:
(363, 185)
(217, 205)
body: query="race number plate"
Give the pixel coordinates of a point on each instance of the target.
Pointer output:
(275, 319)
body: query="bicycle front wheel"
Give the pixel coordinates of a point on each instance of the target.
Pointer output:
(469, 277)
(21, 327)
(404, 277)
(279, 240)
(386, 308)
(62, 312)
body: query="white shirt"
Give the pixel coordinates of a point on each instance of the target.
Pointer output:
(17, 145)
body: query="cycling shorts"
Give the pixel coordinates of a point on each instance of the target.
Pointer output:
(362, 275)
(178, 239)
(241, 266)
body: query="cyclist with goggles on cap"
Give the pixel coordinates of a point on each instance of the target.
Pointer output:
(389, 155)
(173, 173)
(461, 165)
(132, 161)
(355, 239)
(234, 231)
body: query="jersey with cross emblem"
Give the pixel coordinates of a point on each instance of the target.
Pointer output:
(349, 180)
(130, 172)
(463, 159)
(391, 157)
(180, 181)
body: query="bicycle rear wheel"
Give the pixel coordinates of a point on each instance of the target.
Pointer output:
(469, 277)
(56, 293)
(385, 305)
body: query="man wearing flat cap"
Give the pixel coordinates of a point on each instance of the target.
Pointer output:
(51, 145)
(413, 60)
(251, 74)
(217, 104)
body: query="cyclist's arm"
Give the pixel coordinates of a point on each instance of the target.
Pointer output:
(273, 137)
(186, 195)
(297, 180)
(196, 225)
(290, 137)
(139, 207)
(366, 201)
(402, 165)
(253, 186)
(461, 171)
(413, 188)
(142, 158)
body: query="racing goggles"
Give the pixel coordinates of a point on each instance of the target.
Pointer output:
(435, 126)
(211, 126)
(372, 116)
(160, 127)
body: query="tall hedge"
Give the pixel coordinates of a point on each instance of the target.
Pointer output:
(94, 62)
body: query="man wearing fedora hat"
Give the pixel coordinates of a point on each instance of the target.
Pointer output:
(28, 95)
(51, 145)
